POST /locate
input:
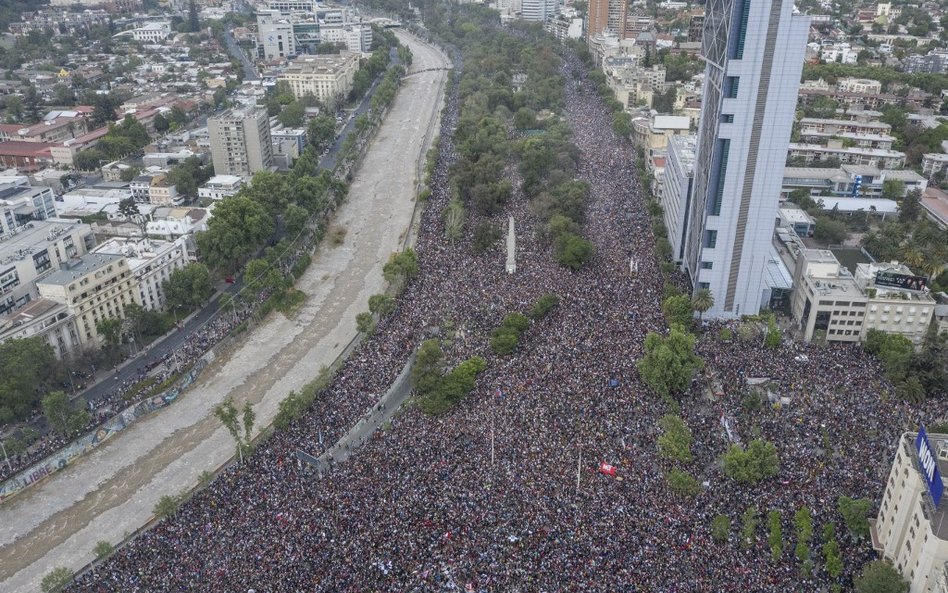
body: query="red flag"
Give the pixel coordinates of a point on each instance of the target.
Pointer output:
(607, 470)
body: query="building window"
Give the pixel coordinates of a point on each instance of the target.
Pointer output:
(704, 285)
(718, 175)
(731, 85)
(727, 118)
(710, 239)
(706, 265)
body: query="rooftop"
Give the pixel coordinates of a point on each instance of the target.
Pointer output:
(321, 64)
(76, 268)
(935, 202)
(27, 313)
(856, 204)
(938, 516)
(35, 236)
(671, 122)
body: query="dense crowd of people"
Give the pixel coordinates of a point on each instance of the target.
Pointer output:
(503, 494)
(151, 371)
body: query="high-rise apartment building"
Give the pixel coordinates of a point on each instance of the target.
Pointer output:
(606, 14)
(754, 55)
(275, 37)
(240, 142)
(537, 10)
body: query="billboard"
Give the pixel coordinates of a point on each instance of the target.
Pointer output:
(904, 281)
(928, 465)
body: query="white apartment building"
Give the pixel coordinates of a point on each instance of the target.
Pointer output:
(537, 10)
(676, 191)
(911, 530)
(93, 287)
(21, 202)
(149, 32)
(288, 7)
(848, 180)
(815, 125)
(754, 58)
(934, 162)
(46, 319)
(240, 141)
(219, 187)
(33, 251)
(326, 77)
(881, 158)
(151, 263)
(162, 192)
(892, 308)
(859, 85)
(356, 37)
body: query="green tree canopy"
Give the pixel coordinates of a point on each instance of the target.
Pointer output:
(880, 577)
(238, 228)
(669, 362)
(758, 462)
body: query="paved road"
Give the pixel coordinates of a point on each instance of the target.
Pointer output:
(250, 71)
(112, 491)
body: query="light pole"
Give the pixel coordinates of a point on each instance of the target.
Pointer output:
(5, 457)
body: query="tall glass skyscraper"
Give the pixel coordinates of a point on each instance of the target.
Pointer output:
(754, 52)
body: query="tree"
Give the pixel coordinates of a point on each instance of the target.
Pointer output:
(110, 329)
(910, 208)
(401, 267)
(56, 580)
(238, 228)
(669, 363)
(503, 341)
(772, 337)
(24, 374)
(428, 367)
(161, 124)
(292, 115)
(678, 310)
(486, 236)
(129, 209)
(64, 417)
(294, 219)
(270, 189)
(774, 534)
(365, 323)
(682, 483)
(749, 521)
(854, 512)
(381, 304)
(675, 440)
(194, 23)
(702, 302)
(88, 160)
(188, 287)
(321, 132)
(721, 528)
(573, 251)
(227, 413)
(544, 305)
(879, 577)
(893, 189)
(830, 231)
(749, 466)
(525, 119)
(453, 386)
(166, 506)
(103, 549)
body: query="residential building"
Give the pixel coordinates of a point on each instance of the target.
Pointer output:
(151, 262)
(34, 250)
(935, 205)
(826, 298)
(139, 188)
(356, 37)
(794, 217)
(676, 191)
(653, 133)
(288, 7)
(935, 62)
(859, 85)
(882, 158)
(45, 319)
(537, 10)
(21, 202)
(814, 125)
(934, 162)
(892, 308)
(275, 39)
(25, 156)
(695, 27)
(754, 59)
(177, 222)
(848, 180)
(288, 144)
(219, 187)
(605, 15)
(567, 24)
(327, 77)
(93, 287)
(240, 141)
(149, 32)
(911, 529)
(162, 192)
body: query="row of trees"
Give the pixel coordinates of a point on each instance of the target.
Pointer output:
(438, 388)
(916, 375)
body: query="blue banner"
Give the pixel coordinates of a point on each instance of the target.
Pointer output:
(928, 465)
